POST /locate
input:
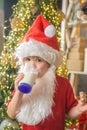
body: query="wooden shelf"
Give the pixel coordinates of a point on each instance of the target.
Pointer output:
(78, 72)
(75, 28)
(77, 23)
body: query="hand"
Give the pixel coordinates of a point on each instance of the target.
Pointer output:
(82, 103)
(18, 79)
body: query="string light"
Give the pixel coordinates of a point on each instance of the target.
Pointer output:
(82, 1)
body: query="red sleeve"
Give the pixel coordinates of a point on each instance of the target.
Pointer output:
(71, 99)
(67, 95)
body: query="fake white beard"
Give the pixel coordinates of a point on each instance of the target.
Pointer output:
(37, 105)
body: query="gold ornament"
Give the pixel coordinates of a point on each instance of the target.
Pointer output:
(34, 10)
(16, 23)
(62, 69)
(82, 1)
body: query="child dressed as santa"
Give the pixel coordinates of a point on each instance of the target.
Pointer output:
(50, 97)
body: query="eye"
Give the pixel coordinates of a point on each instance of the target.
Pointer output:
(27, 59)
(39, 60)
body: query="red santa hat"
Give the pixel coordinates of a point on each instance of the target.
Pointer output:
(41, 41)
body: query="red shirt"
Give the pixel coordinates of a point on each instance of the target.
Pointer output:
(64, 100)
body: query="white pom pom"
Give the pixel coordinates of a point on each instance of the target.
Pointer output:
(50, 31)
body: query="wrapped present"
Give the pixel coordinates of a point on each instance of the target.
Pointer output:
(77, 49)
(75, 65)
(76, 55)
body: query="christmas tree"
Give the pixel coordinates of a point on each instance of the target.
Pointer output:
(24, 14)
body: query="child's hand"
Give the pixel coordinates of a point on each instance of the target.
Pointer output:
(18, 79)
(83, 97)
(82, 103)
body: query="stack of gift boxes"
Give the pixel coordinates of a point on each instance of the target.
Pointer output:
(75, 57)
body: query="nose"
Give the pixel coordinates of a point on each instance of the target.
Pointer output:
(32, 64)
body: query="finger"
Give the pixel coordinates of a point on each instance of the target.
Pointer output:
(18, 79)
(81, 102)
(20, 76)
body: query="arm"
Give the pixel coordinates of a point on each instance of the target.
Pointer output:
(78, 110)
(75, 112)
(14, 105)
(74, 108)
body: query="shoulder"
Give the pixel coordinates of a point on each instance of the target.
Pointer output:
(62, 80)
(60, 77)
(63, 83)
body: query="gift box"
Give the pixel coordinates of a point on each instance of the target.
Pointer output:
(76, 55)
(77, 49)
(75, 65)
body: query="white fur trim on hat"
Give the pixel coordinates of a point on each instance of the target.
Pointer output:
(36, 48)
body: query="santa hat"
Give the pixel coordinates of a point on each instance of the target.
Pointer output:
(41, 41)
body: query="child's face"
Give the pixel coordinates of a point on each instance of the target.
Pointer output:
(37, 63)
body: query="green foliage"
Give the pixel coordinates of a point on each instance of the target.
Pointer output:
(70, 122)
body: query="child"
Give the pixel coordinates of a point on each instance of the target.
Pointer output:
(51, 97)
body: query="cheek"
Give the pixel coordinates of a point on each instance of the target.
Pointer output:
(42, 70)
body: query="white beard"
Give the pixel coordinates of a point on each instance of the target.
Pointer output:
(37, 105)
